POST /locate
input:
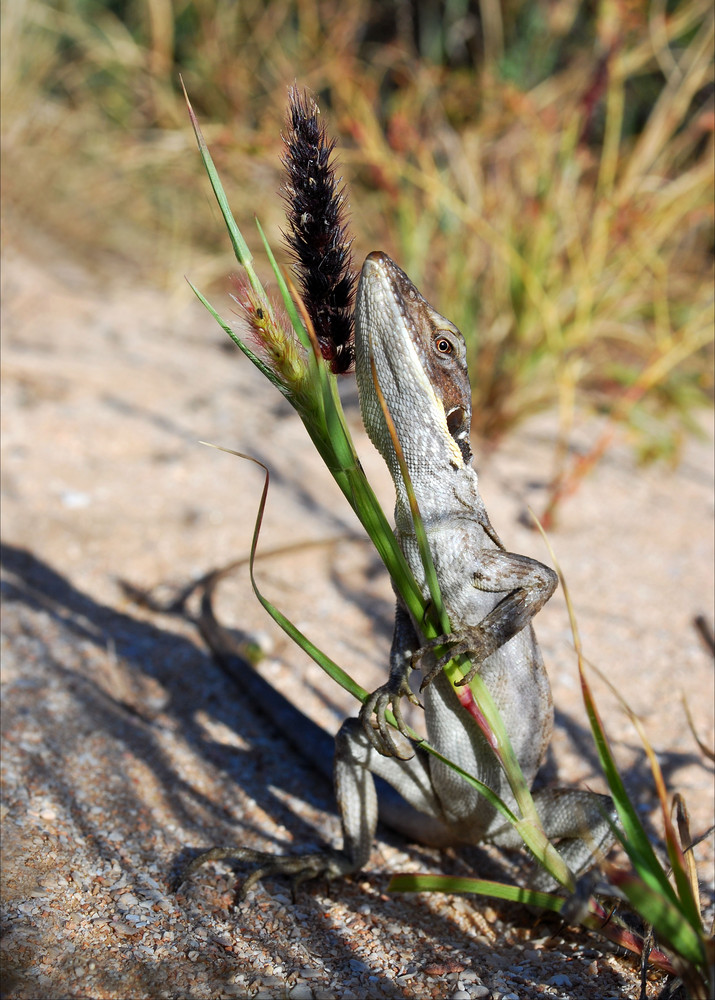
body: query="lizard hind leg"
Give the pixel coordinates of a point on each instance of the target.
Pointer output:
(414, 811)
(579, 822)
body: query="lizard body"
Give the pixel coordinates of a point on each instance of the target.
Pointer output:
(419, 361)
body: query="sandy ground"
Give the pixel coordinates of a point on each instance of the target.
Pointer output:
(125, 749)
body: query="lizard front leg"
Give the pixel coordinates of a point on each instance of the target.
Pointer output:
(527, 585)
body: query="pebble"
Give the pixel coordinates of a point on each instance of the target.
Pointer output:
(124, 929)
(559, 980)
(308, 972)
(128, 899)
(358, 966)
(269, 980)
(237, 989)
(301, 991)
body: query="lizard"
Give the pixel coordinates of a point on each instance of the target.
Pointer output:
(418, 359)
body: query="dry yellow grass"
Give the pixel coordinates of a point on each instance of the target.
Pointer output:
(549, 183)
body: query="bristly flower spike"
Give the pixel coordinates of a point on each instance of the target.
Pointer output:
(317, 234)
(280, 349)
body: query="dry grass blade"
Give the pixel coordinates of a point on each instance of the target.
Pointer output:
(705, 750)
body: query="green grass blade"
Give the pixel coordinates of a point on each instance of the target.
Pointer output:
(532, 833)
(339, 433)
(635, 840)
(667, 918)
(482, 887)
(687, 902)
(362, 499)
(240, 247)
(329, 666)
(489, 794)
(300, 639)
(332, 668)
(594, 917)
(505, 753)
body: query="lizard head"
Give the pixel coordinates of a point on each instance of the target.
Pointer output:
(419, 359)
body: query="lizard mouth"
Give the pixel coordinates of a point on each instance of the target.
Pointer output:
(456, 419)
(458, 427)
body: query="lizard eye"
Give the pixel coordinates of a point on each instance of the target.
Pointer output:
(443, 345)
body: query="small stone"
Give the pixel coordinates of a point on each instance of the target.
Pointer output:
(559, 980)
(123, 929)
(308, 972)
(126, 899)
(234, 989)
(301, 991)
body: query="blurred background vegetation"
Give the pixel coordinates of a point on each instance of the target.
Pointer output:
(543, 170)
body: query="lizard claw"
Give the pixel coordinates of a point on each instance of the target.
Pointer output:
(301, 867)
(470, 675)
(455, 647)
(426, 651)
(382, 738)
